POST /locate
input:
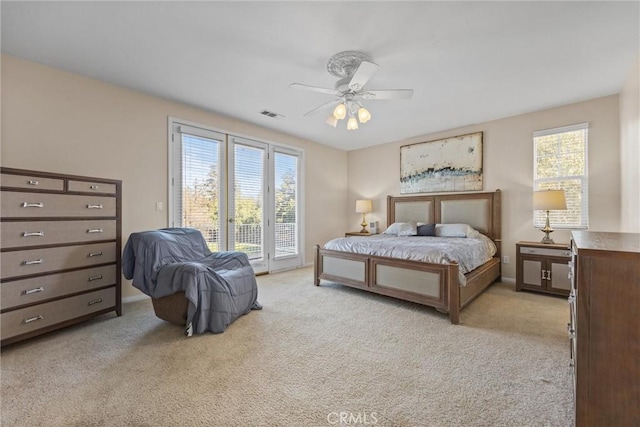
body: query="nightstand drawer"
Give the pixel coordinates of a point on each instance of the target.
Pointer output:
(564, 253)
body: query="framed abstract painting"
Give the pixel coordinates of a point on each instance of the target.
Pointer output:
(443, 165)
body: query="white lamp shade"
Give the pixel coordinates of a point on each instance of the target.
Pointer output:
(364, 206)
(549, 200)
(352, 124)
(340, 112)
(364, 115)
(332, 121)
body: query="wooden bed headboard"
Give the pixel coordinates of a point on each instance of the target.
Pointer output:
(482, 211)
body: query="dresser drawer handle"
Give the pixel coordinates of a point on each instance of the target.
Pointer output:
(35, 261)
(95, 230)
(92, 254)
(32, 205)
(33, 233)
(32, 182)
(33, 319)
(33, 291)
(93, 187)
(95, 301)
(94, 206)
(92, 278)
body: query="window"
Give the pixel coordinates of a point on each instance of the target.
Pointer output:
(560, 162)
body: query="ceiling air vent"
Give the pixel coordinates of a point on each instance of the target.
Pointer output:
(271, 114)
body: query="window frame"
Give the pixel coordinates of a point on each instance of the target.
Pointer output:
(538, 219)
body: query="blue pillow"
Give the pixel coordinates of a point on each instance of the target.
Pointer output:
(427, 230)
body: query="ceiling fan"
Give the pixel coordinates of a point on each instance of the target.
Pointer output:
(354, 69)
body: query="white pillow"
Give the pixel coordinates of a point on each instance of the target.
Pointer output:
(392, 229)
(455, 230)
(408, 229)
(402, 229)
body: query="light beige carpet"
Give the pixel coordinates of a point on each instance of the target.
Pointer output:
(314, 356)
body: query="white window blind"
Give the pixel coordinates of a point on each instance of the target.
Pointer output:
(249, 199)
(286, 202)
(198, 192)
(560, 162)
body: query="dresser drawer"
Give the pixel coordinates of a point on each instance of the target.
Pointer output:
(31, 182)
(562, 253)
(91, 187)
(31, 205)
(29, 291)
(34, 261)
(42, 315)
(36, 233)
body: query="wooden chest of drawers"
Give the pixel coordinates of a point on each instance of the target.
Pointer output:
(61, 249)
(604, 328)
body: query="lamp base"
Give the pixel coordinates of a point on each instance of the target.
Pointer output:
(547, 240)
(547, 230)
(364, 224)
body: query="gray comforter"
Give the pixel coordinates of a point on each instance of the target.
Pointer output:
(220, 286)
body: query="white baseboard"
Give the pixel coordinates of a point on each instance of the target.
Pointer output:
(510, 280)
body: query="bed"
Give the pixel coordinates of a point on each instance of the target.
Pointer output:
(431, 284)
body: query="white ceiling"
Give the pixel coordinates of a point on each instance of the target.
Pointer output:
(467, 62)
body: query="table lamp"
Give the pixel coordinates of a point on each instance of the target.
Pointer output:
(364, 207)
(549, 200)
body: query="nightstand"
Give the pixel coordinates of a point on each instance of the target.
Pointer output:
(356, 233)
(542, 267)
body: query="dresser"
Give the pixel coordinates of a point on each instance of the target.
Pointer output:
(543, 267)
(604, 328)
(60, 251)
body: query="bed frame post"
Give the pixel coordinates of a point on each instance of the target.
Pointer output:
(316, 263)
(454, 294)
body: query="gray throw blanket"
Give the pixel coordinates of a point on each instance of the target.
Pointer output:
(220, 286)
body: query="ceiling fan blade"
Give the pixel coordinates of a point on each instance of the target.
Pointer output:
(365, 71)
(387, 94)
(314, 89)
(325, 105)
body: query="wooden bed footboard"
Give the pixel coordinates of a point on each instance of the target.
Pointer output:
(434, 285)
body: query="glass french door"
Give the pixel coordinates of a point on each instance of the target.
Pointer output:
(198, 184)
(243, 195)
(247, 187)
(286, 209)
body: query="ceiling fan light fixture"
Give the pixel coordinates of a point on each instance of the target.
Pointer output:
(352, 124)
(364, 115)
(332, 121)
(340, 111)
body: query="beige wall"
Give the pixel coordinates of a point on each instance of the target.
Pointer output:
(61, 122)
(630, 152)
(508, 165)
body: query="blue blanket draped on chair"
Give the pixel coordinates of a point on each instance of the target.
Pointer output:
(220, 286)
